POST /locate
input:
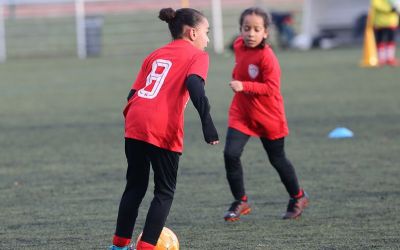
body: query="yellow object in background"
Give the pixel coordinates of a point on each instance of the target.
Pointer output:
(384, 16)
(370, 55)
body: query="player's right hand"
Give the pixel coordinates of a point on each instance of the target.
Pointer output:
(236, 86)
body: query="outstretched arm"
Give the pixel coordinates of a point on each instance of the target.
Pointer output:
(195, 86)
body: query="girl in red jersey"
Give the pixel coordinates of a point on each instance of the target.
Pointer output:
(154, 123)
(257, 110)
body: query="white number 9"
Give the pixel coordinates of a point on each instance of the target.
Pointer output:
(155, 79)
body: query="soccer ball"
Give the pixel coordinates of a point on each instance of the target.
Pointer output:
(166, 241)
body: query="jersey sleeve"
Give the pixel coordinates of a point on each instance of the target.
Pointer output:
(195, 86)
(199, 66)
(270, 71)
(234, 71)
(236, 49)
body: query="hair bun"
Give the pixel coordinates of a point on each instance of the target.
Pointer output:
(167, 14)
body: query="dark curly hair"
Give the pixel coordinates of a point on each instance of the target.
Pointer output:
(177, 19)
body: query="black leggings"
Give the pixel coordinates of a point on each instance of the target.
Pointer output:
(165, 166)
(235, 142)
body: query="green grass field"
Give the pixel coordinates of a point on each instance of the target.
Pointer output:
(62, 163)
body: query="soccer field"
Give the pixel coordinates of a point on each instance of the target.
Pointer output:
(62, 163)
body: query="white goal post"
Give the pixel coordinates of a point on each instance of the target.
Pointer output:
(3, 54)
(80, 23)
(218, 33)
(80, 28)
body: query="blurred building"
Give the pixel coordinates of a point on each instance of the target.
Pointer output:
(330, 23)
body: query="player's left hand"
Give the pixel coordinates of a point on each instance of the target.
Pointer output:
(237, 86)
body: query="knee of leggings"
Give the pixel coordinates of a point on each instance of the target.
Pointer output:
(165, 194)
(232, 164)
(278, 162)
(231, 160)
(231, 155)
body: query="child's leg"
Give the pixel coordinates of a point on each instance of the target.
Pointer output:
(391, 47)
(235, 142)
(165, 167)
(137, 177)
(277, 157)
(381, 45)
(299, 199)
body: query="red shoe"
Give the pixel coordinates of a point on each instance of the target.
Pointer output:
(296, 207)
(236, 209)
(393, 62)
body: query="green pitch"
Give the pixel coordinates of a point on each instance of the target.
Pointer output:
(62, 164)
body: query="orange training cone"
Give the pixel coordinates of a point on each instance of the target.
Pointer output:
(370, 55)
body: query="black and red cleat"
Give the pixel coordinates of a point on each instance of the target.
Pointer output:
(237, 209)
(296, 207)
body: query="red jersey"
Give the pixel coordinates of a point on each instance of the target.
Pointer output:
(259, 109)
(155, 112)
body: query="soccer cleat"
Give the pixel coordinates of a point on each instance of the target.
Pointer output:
(113, 247)
(296, 207)
(236, 209)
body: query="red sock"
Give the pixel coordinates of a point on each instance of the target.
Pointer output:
(120, 241)
(141, 245)
(299, 195)
(244, 198)
(382, 57)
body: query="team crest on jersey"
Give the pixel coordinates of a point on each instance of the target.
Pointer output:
(253, 71)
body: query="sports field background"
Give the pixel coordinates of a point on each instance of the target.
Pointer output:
(62, 163)
(127, 27)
